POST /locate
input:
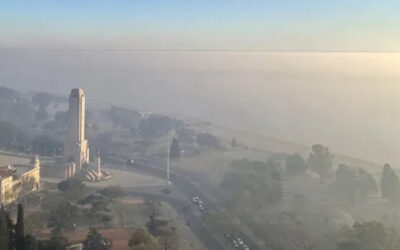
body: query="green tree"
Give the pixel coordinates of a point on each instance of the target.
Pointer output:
(19, 229)
(156, 125)
(41, 114)
(252, 185)
(42, 100)
(34, 222)
(346, 182)
(390, 184)
(234, 142)
(11, 232)
(63, 218)
(73, 188)
(56, 242)
(69, 185)
(95, 241)
(169, 239)
(45, 144)
(295, 164)
(11, 135)
(98, 208)
(207, 140)
(354, 184)
(320, 161)
(4, 240)
(112, 192)
(15, 108)
(367, 183)
(142, 240)
(30, 243)
(175, 150)
(370, 236)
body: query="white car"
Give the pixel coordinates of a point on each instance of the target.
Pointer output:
(235, 243)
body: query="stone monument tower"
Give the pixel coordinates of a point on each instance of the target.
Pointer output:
(76, 146)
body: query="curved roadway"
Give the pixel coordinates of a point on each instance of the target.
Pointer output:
(189, 189)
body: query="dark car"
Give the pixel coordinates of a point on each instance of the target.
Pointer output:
(130, 162)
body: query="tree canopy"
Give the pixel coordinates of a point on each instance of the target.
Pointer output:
(295, 164)
(234, 142)
(252, 185)
(142, 240)
(15, 108)
(320, 161)
(4, 237)
(175, 150)
(95, 241)
(19, 230)
(354, 184)
(42, 100)
(112, 192)
(207, 140)
(370, 236)
(11, 135)
(56, 242)
(64, 217)
(124, 117)
(157, 125)
(74, 188)
(46, 145)
(390, 184)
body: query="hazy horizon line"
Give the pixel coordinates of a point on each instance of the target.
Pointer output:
(202, 50)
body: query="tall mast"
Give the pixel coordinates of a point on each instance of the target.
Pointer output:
(168, 153)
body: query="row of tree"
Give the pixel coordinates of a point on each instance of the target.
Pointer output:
(13, 138)
(142, 239)
(370, 236)
(251, 186)
(202, 139)
(320, 161)
(355, 183)
(93, 209)
(13, 237)
(15, 108)
(390, 184)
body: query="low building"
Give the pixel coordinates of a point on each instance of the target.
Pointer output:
(19, 180)
(119, 236)
(75, 247)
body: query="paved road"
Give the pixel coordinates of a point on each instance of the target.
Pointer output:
(190, 190)
(27, 156)
(197, 226)
(152, 167)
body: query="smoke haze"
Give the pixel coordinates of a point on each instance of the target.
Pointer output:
(349, 101)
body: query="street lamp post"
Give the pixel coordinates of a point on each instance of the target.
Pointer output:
(168, 153)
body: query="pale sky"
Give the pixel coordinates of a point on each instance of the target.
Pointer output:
(305, 25)
(348, 101)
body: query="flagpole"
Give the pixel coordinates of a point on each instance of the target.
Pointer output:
(168, 153)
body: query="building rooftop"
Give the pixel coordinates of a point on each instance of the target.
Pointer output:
(13, 170)
(6, 171)
(76, 92)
